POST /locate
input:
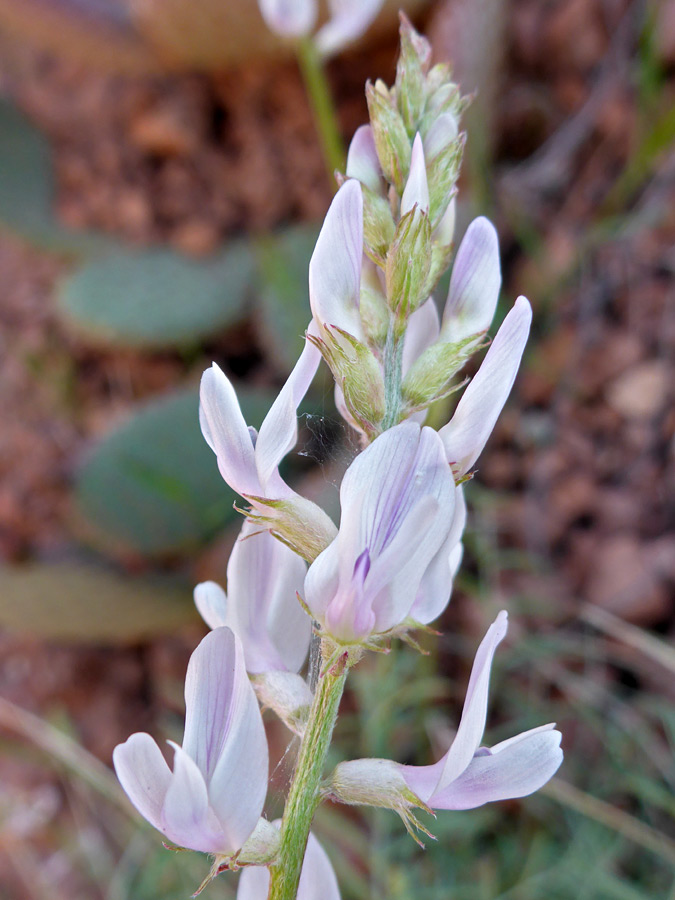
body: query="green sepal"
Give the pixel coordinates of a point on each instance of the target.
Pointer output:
(430, 376)
(378, 225)
(413, 63)
(358, 374)
(408, 264)
(389, 132)
(442, 175)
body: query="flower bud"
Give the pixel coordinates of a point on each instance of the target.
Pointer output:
(362, 161)
(373, 306)
(442, 174)
(378, 226)
(287, 694)
(411, 68)
(300, 524)
(358, 374)
(390, 135)
(408, 263)
(430, 376)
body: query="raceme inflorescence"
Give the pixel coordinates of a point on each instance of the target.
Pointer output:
(388, 568)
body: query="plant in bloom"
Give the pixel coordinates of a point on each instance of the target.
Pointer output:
(348, 20)
(389, 567)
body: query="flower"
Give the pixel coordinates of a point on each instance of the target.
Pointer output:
(468, 775)
(398, 499)
(249, 461)
(317, 879)
(348, 20)
(289, 18)
(213, 799)
(261, 604)
(467, 432)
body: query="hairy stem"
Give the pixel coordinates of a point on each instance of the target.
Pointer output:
(321, 101)
(303, 796)
(393, 360)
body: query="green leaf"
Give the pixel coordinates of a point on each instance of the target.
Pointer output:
(27, 189)
(83, 602)
(157, 298)
(283, 263)
(153, 485)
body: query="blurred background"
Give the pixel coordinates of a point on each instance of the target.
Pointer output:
(161, 188)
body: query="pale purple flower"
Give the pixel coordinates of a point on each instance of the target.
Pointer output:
(289, 18)
(467, 432)
(349, 19)
(261, 605)
(213, 799)
(474, 285)
(317, 879)
(469, 774)
(397, 500)
(249, 461)
(440, 135)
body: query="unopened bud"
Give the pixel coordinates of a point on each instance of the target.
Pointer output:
(390, 135)
(287, 694)
(378, 225)
(358, 375)
(430, 376)
(300, 524)
(442, 174)
(408, 264)
(410, 75)
(373, 306)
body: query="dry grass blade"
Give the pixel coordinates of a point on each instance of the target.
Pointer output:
(622, 822)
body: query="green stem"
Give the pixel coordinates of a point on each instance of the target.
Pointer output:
(321, 100)
(303, 796)
(393, 360)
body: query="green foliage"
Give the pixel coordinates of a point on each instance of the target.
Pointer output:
(82, 602)
(158, 298)
(283, 261)
(153, 485)
(27, 189)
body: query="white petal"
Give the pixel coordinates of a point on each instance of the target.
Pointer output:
(335, 266)
(362, 160)
(144, 775)
(186, 817)
(474, 286)
(317, 879)
(279, 432)
(224, 733)
(472, 723)
(422, 331)
(349, 20)
(436, 586)
(211, 603)
(226, 432)
(289, 18)
(467, 432)
(263, 578)
(238, 786)
(443, 131)
(519, 767)
(416, 191)
(444, 232)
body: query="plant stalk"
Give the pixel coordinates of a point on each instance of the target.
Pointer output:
(393, 376)
(323, 108)
(303, 796)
